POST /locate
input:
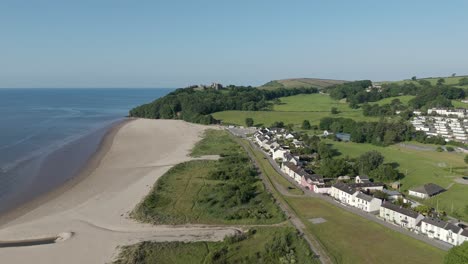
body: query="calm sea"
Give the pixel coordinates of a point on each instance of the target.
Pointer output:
(35, 123)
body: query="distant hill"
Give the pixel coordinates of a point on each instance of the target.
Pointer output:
(433, 80)
(300, 82)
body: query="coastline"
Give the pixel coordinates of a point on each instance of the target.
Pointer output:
(94, 209)
(91, 163)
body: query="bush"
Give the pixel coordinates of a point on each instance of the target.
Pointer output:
(449, 149)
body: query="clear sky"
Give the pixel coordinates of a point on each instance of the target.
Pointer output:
(113, 43)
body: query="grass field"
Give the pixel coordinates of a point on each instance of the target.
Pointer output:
(300, 82)
(404, 100)
(294, 110)
(349, 238)
(187, 194)
(261, 245)
(433, 80)
(420, 167)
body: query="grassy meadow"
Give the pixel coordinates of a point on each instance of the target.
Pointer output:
(404, 99)
(300, 82)
(188, 194)
(294, 110)
(433, 80)
(420, 167)
(349, 238)
(259, 245)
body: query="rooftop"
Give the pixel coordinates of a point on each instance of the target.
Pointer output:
(400, 209)
(429, 189)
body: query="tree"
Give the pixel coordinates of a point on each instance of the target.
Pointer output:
(457, 255)
(278, 124)
(440, 81)
(324, 151)
(380, 195)
(450, 149)
(466, 159)
(384, 172)
(334, 110)
(306, 125)
(423, 209)
(413, 78)
(249, 122)
(369, 161)
(454, 74)
(439, 149)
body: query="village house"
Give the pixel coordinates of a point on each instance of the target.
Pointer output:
(463, 237)
(309, 180)
(368, 186)
(279, 153)
(392, 195)
(438, 229)
(343, 192)
(400, 216)
(293, 171)
(323, 189)
(361, 179)
(366, 202)
(426, 191)
(351, 196)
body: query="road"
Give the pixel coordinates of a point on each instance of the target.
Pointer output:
(369, 216)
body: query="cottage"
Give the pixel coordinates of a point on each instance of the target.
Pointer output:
(343, 192)
(323, 189)
(289, 136)
(309, 180)
(294, 171)
(400, 216)
(392, 195)
(368, 186)
(361, 179)
(426, 191)
(279, 154)
(366, 203)
(436, 228)
(463, 237)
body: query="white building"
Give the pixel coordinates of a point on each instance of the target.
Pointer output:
(438, 229)
(426, 191)
(351, 196)
(400, 216)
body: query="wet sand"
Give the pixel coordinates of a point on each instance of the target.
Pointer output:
(94, 207)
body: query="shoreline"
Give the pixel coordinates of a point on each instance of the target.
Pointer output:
(89, 166)
(96, 206)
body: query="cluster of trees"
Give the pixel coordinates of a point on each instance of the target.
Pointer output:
(197, 106)
(383, 110)
(370, 163)
(427, 95)
(237, 189)
(463, 81)
(382, 133)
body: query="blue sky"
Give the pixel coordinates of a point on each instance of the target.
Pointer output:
(113, 43)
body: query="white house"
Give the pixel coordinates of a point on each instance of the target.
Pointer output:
(322, 189)
(368, 186)
(289, 136)
(463, 237)
(293, 171)
(426, 191)
(361, 179)
(400, 216)
(366, 202)
(343, 192)
(438, 229)
(279, 153)
(351, 196)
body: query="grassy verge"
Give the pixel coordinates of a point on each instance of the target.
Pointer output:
(261, 245)
(352, 239)
(226, 191)
(215, 142)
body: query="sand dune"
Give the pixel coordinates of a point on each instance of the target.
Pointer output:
(95, 208)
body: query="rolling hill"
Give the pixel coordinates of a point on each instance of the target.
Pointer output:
(300, 82)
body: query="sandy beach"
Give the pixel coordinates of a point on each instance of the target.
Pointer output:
(89, 215)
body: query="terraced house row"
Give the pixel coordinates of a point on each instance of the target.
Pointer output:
(359, 192)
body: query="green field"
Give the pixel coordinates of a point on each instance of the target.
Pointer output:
(404, 100)
(188, 194)
(300, 82)
(349, 238)
(294, 110)
(260, 245)
(420, 167)
(433, 80)
(459, 104)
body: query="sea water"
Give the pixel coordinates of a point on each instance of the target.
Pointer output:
(68, 123)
